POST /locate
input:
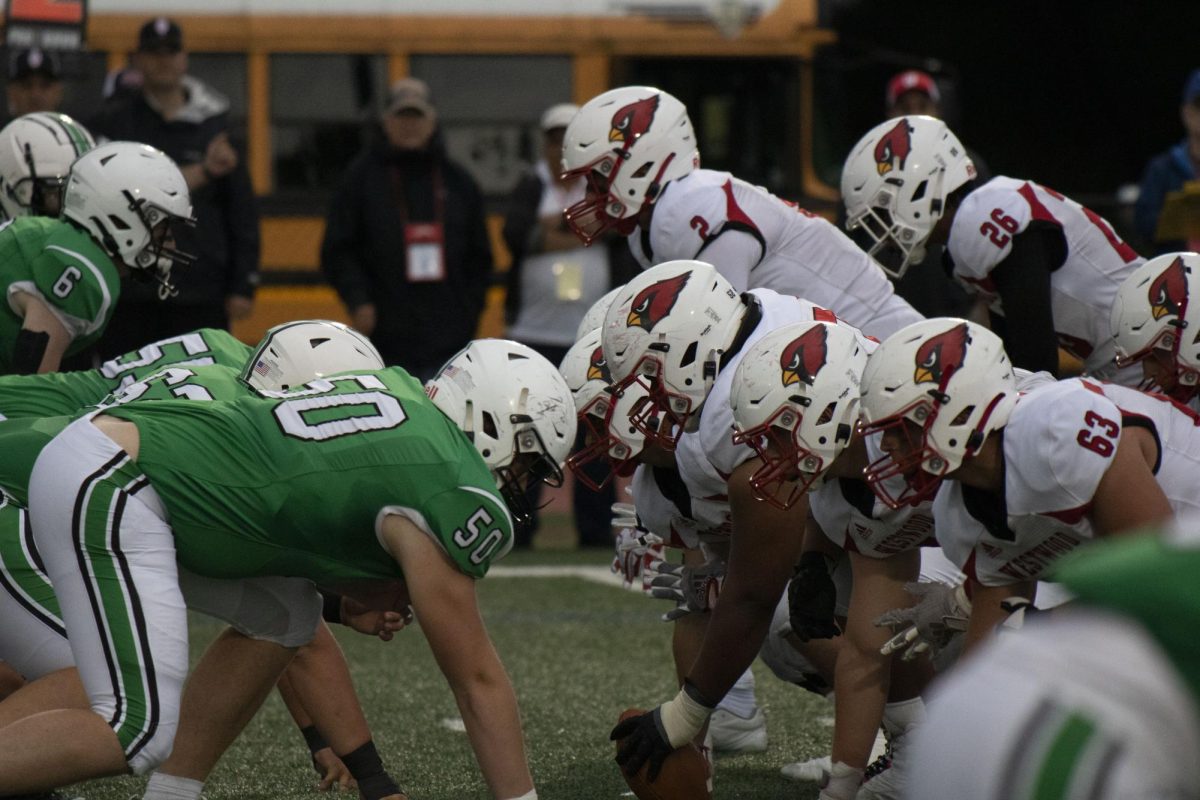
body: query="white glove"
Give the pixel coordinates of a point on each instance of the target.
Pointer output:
(694, 589)
(636, 549)
(940, 614)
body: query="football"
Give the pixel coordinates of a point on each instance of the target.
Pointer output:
(684, 775)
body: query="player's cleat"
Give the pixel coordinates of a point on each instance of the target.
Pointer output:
(734, 734)
(815, 770)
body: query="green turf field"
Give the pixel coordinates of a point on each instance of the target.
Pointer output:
(578, 652)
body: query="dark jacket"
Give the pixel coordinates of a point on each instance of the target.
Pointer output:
(521, 230)
(419, 324)
(226, 237)
(1166, 172)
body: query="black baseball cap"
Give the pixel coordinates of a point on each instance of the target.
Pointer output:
(160, 35)
(35, 61)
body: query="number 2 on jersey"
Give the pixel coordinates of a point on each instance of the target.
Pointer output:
(1099, 435)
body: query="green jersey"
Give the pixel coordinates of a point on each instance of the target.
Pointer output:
(62, 266)
(22, 440)
(55, 393)
(1152, 579)
(297, 483)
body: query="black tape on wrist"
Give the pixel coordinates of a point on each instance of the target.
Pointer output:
(314, 739)
(331, 610)
(367, 768)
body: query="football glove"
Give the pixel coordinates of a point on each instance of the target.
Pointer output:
(942, 612)
(693, 589)
(653, 736)
(812, 599)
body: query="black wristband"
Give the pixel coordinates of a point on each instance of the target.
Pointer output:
(314, 739)
(813, 560)
(331, 610)
(367, 768)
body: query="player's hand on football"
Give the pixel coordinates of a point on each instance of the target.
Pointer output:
(812, 599)
(334, 774)
(642, 741)
(940, 613)
(373, 621)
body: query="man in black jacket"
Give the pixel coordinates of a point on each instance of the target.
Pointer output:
(189, 121)
(406, 245)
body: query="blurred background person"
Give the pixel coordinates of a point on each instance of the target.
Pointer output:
(406, 246)
(553, 281)
(189, 121)
(34, 83)
(1168, 172)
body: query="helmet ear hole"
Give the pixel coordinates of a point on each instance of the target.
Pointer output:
(962, 416)
(489, 426)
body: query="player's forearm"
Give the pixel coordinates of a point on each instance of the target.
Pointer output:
(322, 683)
(861, 684)
(736, 629)
(489, 711)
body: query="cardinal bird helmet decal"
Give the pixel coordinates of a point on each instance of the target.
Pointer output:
(598, 367)
(894, 146)
(632, 120)
(654, 302)
(1169, 291)
(804, 356)
(927, 431)
(941, 355)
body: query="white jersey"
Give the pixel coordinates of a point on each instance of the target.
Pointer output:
(1058, 444)
(664, 508)
(853, 518)
(756, 240)
(707, 457)
(1082, 290)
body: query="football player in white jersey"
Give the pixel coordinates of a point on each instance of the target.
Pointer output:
(1047, 267)
(1098, 701)
(679, 330)
(1153, 311)
(636, 148)
(1019, 479)
(800, 421)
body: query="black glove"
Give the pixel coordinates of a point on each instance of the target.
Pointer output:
(644, 740)
(812, 598)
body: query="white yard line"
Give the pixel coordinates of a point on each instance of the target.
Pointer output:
(602, 575)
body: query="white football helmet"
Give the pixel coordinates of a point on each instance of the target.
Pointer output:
(129, 196)
(940, 385)
(1153, 313)
(36, 153)
(515, 408)
(295, 353)
(668, 329)
(895, 183)
(627, 144)
(795, 401)
(610, 435)
(594, 317)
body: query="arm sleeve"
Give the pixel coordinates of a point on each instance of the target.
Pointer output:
(1022, 280)
(341, 258)
(241, 220)
(734, 253)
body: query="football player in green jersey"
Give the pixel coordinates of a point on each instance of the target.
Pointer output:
(62, 276)
(33, 637)
(348, 481)
(1098, 698)
(36, 153)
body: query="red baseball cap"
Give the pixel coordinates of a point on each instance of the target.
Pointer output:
(913, 80)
